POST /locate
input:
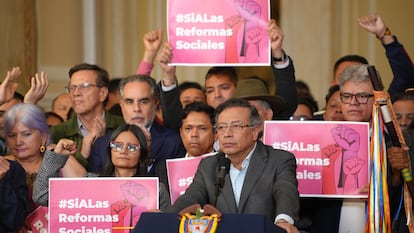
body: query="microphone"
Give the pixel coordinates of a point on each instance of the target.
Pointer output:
(223, 169)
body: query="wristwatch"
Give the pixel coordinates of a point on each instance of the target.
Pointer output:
(279, 59)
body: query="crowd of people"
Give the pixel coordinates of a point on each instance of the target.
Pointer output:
(128, 127)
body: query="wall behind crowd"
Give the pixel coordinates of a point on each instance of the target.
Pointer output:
(109, 33)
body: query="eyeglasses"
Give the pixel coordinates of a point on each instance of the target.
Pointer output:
(361, 98)
(238, 126)
(119, 146)
(81, 87)
(299, 118)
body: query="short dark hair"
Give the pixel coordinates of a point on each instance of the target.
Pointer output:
(223, 70)
(302, 87)
(255, 118)
(114, 85)
(309, 102)
(197, 107)
(187, 85)
(331, 91)
(401, 96)
(102, 75)
(140, 78)
(350, 58)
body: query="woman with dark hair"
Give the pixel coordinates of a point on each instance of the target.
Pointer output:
(128, 152)
(135, 160)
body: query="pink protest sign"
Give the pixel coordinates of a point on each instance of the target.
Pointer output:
(181, 172)
(100, 204)
(38, 220)
(332, 157)
(219, 32)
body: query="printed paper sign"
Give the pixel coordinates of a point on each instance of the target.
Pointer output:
(219, 32)
(38, 220)
(100, 204)
(180, 174)
(332, 157)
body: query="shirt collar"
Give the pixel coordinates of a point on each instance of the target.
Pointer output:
(246, 161)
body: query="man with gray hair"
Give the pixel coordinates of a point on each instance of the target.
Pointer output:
(357, 94)
(260, 180)
(139, 100)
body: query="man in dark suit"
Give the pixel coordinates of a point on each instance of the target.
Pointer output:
(138, 104)
(261, 180)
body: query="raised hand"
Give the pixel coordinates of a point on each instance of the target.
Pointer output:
(38, 87)
(65, 147)
(373, 23)
(152, 42)
(99, 127)
(164, 57)
(96, 131)
(9, 84)
(276, 38)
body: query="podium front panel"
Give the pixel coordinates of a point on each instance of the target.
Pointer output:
(237, 223)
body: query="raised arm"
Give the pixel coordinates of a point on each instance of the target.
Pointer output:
(169, 95)
(398, 58)
(283, 72)
(60, 158)
(38, 87)
(152, 42)
(9, 85)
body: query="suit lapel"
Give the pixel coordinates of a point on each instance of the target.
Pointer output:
(228, 195)
(254, 171)
(157, 139)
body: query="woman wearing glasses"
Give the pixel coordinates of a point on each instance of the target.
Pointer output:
(128, 152)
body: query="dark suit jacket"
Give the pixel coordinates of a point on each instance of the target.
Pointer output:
(401, 66)
(165, 144)
(285, 82)
(270, 186)
(14, 198)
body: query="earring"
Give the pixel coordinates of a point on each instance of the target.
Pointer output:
(42, 148)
